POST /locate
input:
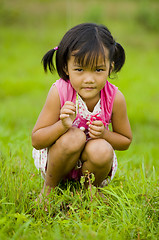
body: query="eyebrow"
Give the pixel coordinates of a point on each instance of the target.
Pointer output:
(101, 66)
(76, 65)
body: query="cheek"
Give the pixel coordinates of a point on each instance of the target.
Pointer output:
(102, 82)
(74, 83)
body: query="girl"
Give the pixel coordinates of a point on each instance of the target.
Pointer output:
(72, 136)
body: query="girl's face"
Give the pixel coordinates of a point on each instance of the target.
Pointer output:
(88, 81)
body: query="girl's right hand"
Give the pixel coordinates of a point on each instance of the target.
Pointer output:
(68, 114)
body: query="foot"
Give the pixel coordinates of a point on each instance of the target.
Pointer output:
(44, 198)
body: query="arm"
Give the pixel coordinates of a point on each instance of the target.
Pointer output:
(121, 136)
(52, 122)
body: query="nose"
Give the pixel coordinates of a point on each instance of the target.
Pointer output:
(89, 78)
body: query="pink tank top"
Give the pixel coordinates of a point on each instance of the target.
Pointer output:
(67, 93)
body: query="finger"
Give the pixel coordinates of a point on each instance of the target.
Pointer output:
(82, 129)
(95, 133)
(95, 128)
(92, 135)
(68, 103)
(97, 123)
(63, 116)
(67, 111)
(67, 106)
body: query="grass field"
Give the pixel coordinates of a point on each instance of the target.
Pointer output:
(131, 211)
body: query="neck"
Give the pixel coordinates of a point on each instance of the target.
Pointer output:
(91, 103)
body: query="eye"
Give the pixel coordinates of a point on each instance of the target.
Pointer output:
(99, 70)
(79, 69)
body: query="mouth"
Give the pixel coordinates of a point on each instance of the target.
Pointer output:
(88, 88)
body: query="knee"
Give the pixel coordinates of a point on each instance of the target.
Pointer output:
(72, 141)
(100, 153)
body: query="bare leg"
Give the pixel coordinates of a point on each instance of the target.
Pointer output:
(98, 158)
(63, 156)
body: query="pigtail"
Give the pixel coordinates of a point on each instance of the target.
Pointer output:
(119, 57)
(47, 60)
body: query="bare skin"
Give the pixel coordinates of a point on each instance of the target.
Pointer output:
(66, 144)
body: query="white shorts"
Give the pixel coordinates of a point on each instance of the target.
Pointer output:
(40, 161)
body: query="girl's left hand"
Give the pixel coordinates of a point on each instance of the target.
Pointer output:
(96, 129)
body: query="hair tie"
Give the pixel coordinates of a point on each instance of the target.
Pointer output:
(56, 48)
(115, 44)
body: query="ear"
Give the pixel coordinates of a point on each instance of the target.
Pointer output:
(66, 70)
(112, 66)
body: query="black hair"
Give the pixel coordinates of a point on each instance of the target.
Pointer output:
(86, 42)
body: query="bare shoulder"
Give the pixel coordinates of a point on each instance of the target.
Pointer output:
(120, 121)
(119, 102)
(51, 110)
(52, 104)
(53, 96)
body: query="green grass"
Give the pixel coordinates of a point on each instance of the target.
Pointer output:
(131, 209)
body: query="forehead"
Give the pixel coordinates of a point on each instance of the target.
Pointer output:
(90, 59)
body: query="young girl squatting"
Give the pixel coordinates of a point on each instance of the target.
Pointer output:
(71, 135)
